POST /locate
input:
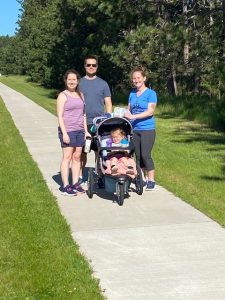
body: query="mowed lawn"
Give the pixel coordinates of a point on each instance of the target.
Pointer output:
(38, 257)
(190, 162)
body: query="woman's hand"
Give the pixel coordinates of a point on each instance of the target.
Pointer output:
(66, 138)
(128, 115)
(87, 134)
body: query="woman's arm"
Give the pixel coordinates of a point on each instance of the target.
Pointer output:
(60, 111)
(87, 134)
(149, 112)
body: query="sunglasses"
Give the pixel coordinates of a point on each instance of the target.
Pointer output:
(91, 65)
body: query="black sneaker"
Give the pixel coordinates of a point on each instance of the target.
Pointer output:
(150, 186)
(78, 188)
(68, 191)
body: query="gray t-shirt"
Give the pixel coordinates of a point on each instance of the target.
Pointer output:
(95, 91)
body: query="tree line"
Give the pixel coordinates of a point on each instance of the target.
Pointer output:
(181, 43)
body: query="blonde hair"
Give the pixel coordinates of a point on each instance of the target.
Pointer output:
(119, 130)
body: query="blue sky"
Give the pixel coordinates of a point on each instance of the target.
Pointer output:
(9, 11)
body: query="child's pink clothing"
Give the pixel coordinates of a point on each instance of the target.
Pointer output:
(117, 165)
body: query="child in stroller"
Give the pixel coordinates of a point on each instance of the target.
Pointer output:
(118, 162)
(114, 162)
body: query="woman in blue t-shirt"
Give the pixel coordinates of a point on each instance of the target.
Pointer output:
(141, 108)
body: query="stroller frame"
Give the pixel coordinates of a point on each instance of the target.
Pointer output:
(120, 183)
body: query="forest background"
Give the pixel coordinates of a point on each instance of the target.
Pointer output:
(181, 43)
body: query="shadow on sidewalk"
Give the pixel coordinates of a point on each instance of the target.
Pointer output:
(100, 192)
(57, 178)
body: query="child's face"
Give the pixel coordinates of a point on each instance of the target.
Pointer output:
(117, 137)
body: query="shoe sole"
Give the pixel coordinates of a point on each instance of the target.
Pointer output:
(150, 189)
(68, 195)
(81, 192)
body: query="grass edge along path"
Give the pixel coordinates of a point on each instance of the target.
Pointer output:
(44, 97)
(189, 157)
(38, 257)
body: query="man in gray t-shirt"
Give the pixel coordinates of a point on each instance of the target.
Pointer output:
(97, 96)
(96, 91)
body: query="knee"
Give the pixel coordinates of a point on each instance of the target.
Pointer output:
(114, 159)
(67, 157)
(149, 164)
(146, 159)
(76, 157)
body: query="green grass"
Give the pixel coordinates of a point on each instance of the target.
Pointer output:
(190, 162)
(189, 157)
(202, 109)
(38, 258)
(42, 96)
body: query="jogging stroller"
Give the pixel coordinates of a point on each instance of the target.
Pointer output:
(115, 184)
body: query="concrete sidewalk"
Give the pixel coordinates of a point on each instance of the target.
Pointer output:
(154, 247)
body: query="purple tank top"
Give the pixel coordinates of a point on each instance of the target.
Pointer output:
(73, 113)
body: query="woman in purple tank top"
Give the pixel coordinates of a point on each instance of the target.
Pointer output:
(72, 131)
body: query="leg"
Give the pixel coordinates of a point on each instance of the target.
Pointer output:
(113, 161)
(84, 162)
(83, 159)
(84, 155)
(108, 166)
(133, 165)
(65, 164)
(114, 165)
(137, 147)
(147, 142)
(129, 166)
(76, 164)
(125, 161)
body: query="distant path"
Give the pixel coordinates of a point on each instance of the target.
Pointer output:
(154, 247)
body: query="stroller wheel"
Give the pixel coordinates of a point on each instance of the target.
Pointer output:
(90, 183)
(139, 181)
(120, 191)
(101, 184)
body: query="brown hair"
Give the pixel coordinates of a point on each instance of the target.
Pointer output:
(144, 72)
(91, 57)
(140, 69)
(73, 71)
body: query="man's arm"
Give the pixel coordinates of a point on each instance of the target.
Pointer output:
(108, 104)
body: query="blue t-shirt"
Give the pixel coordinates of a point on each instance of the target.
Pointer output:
(94, 90)
(139, 104)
